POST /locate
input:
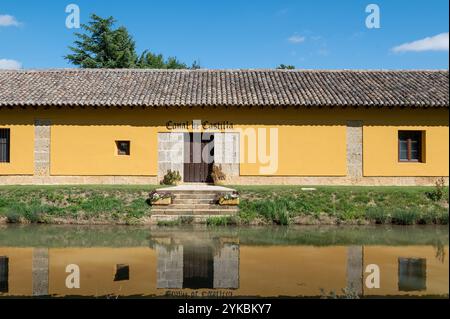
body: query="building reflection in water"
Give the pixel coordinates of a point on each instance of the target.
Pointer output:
(412, 274)
(194, 264)
(167, 264)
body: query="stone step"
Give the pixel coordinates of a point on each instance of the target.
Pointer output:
(196, 206)
(193, 201)
(195, 196)
(172, 211)
(204, 192)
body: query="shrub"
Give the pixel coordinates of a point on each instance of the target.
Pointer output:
(282, 218)
(13, 217)
(217, 175)
(437, 193)
(405, 216)
(377, 215)
(171, 178)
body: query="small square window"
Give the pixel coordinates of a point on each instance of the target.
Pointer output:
(123, 147)
(122, 272)
(411, 146)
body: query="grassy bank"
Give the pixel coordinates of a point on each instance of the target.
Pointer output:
(344, 205)
(259, 205)
(75, 204)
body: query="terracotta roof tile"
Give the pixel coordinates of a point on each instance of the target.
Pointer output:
(123, 87)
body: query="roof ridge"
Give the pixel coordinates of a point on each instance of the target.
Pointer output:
(222, 70)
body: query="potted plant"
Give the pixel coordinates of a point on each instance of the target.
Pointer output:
(229, 199)
(171, 178)
(217, 175)
(159, 198)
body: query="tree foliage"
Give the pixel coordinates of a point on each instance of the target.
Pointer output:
(103, 46)
(285, 67)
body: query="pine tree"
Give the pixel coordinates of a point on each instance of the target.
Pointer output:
(102, 46)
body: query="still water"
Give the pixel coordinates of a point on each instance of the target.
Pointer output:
(205, 262)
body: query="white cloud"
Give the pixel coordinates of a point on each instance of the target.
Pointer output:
(8, 21)
(6, 64)
(296, 39)
(435, 43)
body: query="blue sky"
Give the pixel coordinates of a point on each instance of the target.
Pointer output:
(310, 34)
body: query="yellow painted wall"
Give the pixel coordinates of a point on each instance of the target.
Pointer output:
(97, 269)
(437, 281)
(312, 142)
(20, 271)
(381, 152)
(21, 125)
(300, 271)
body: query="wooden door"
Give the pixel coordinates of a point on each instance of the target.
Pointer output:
(197, 169)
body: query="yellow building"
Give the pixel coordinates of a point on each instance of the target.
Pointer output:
(259, 126)
(226, 269)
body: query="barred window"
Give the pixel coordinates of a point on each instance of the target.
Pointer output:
(4, 145)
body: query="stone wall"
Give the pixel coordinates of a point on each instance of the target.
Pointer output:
(42, 147)
(227, 153)
(170, 153)
(355, 270)
(335, 180)
(40, 271)
(170, 266)
(354, 149)
(226, 267)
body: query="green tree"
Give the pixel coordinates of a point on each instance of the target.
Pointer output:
(148, 60)
(285, 67)
(102, 46)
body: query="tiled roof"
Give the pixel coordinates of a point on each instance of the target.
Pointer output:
(151, 88)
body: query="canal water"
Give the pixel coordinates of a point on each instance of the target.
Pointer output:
(224, 262)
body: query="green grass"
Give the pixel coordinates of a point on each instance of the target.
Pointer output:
(221, 221)
(86, 203)
(281, 205)
(343, 204)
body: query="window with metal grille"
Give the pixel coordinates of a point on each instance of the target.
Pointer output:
(4, 145)
(411, 146)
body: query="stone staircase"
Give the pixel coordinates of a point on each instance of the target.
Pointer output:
(194, 200)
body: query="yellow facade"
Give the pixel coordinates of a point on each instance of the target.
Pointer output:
(311, 142)
(300, 271)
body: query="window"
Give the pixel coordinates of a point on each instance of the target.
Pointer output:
(4, 261)
(122, 272)
(4, 145)
(412, 274)
(123, 147)
(410, 146)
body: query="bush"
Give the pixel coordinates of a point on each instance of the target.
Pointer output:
(377, 215)
(437, 193)
(217, 175)
(406, 216)
(171, 178)
(13, 217)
